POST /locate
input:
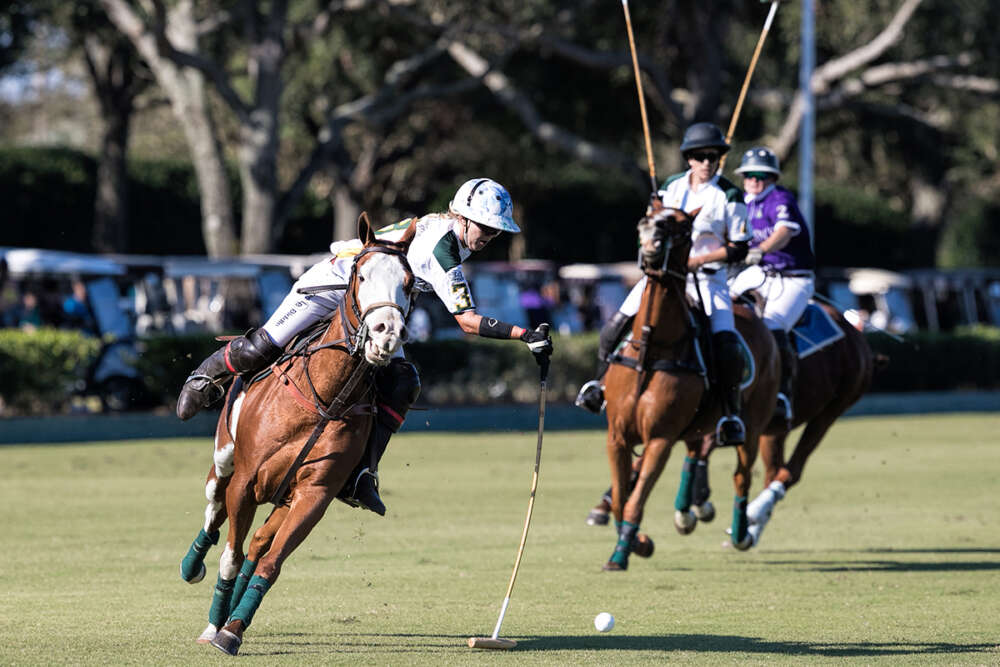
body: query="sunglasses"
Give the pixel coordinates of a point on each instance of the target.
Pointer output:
(487, 232)
(709, 156)
(759, 175)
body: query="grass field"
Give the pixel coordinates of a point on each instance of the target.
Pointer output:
(887, 553)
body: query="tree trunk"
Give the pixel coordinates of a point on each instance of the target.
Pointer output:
(189, 102)
(111, 206)
(345, 214)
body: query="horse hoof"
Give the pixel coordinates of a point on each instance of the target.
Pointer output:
(705, 512)
(198, 576)
(685, 522)
(227, 642)
(643, 546)
(597, 517)
(612, 566)
(207, 635)
(745, 543)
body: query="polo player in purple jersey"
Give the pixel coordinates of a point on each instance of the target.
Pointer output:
(780, 262)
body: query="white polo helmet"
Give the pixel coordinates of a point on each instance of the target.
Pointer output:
(760, 159)
(485, 201)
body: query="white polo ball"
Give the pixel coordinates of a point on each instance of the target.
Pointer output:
(604, 621)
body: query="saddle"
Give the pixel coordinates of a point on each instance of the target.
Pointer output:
(695, 358)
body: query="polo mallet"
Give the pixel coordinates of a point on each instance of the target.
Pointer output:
(746, 80)
(495, 641)
(642, 98)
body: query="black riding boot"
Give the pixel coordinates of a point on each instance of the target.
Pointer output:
(398, 386)
(729, 375)
(591, 396)
(789, 371)
(241, 356)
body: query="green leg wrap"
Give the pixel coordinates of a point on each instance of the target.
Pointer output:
(251, 600)
(220, 601)
(195, 556)
(242, 580)
(740, 523)
(626, 537)
(684, 492)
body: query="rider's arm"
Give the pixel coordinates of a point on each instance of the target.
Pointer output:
(778, 239)
(474, 323)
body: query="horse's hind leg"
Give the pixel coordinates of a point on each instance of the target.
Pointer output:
(601, 512)
(193, 563)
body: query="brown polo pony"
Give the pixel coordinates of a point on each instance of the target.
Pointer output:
(656, 394)
(830, 380)
(295, 436)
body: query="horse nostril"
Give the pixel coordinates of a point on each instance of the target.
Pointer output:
(379, 328)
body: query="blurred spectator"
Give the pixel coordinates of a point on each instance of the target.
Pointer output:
(537, 307)
(75, 311)
(590, 311)
(565, 317)
(26, 314)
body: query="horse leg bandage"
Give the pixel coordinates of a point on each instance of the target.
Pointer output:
(626, 538)
(194, 559)
(242, 581)
(686, 489)
(220, 601)
(251, 600)
(740, 522)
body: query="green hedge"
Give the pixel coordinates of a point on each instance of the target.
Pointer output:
(968, 358)
(39, 372)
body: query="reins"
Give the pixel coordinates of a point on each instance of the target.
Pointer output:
(353, 343)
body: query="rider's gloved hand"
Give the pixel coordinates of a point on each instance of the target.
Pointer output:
(538, 341)
(754, 255)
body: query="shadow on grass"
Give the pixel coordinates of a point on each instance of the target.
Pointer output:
(302, 643)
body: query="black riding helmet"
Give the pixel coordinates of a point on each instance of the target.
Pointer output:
(703, 135)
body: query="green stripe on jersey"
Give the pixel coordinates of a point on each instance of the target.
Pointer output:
(446, 252)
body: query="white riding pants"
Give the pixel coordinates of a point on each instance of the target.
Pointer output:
(785, 297)
(714, 293)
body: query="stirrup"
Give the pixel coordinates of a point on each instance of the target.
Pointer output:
(730, 431)
(783, 408)
(591, 397)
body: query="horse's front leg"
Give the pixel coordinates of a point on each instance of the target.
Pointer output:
(260, 543)
(746, 454)
(307, 508)
(630, 540)
(193, 563)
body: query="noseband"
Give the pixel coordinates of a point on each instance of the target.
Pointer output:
(357, 331)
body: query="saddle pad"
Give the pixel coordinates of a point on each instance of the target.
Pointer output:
(749, 367)
(815, 330)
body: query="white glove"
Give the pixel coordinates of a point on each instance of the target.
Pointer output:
(754, 256)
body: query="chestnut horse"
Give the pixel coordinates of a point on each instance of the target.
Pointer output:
(656, 396)
(830, 380)
(273, 444)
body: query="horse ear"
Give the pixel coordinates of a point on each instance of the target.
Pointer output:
(694, 214)
(365, 232)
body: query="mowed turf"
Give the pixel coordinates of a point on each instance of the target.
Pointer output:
(887, 553)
